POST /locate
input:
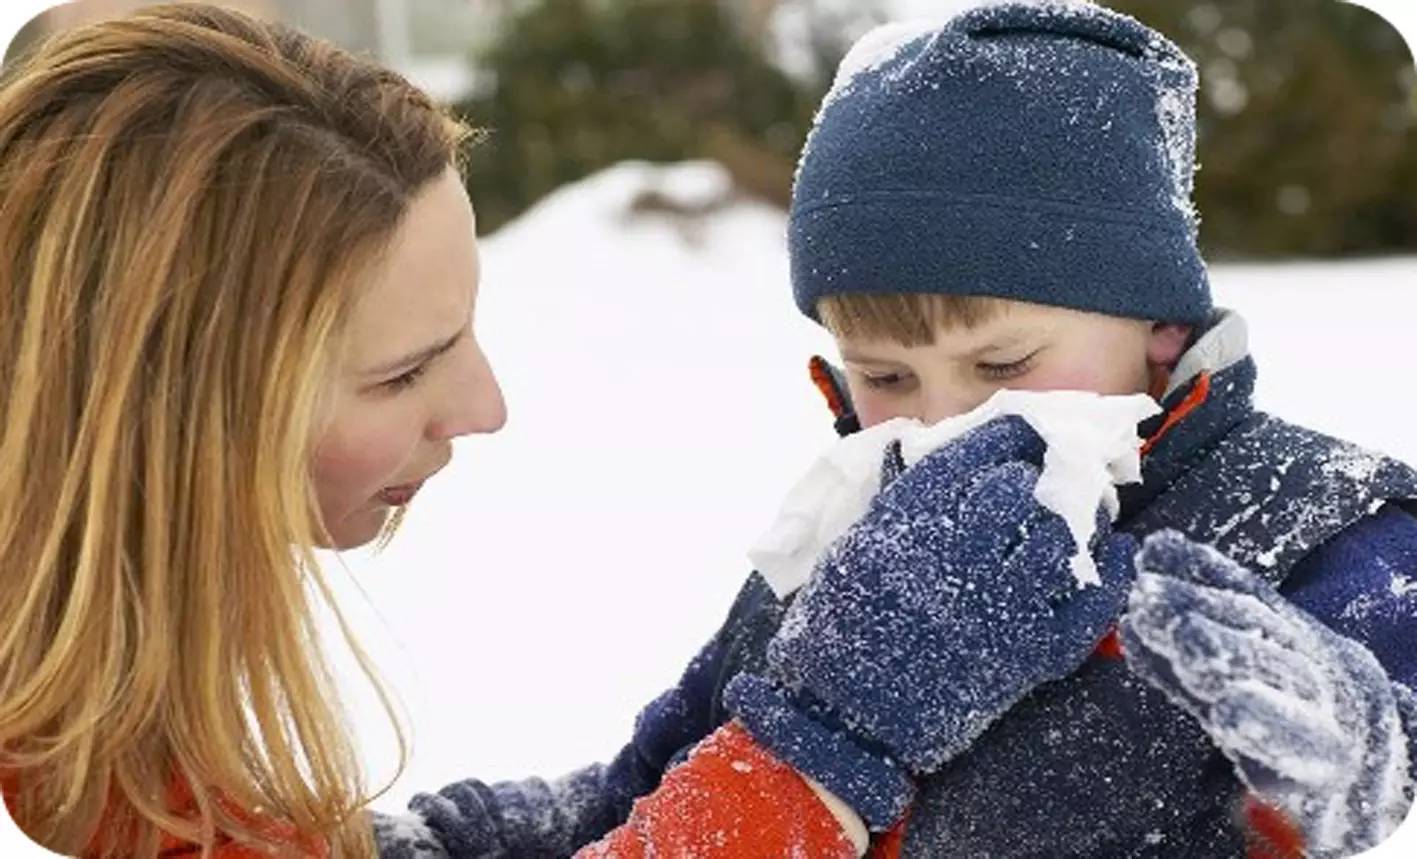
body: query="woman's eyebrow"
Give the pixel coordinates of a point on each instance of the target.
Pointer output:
(416, 357)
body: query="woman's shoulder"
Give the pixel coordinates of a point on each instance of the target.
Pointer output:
(171, 846)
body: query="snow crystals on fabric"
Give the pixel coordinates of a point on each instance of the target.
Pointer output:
(1092, 447)
(900, 47)
(1298, 708)
(405, 836)
(878, 47)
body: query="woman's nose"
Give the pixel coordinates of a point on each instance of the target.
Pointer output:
(477, 406)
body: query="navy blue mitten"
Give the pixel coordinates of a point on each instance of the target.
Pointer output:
(1310, 719)
(944, 605)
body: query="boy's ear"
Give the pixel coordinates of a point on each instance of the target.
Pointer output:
(1167, 343)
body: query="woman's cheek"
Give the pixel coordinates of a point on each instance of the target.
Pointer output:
(353, 463)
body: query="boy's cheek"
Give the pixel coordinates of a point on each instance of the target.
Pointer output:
(1098, 379)
(1069, 381)
(873, 408)
(923, 403)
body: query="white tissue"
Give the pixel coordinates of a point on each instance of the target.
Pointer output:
(1092, 447)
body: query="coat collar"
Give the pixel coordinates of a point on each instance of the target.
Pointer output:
(1208, 394)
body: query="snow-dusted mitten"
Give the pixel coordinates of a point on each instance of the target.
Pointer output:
(1407, 707)
(1309, 717)
(931, 616)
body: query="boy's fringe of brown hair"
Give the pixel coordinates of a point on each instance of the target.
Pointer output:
(910, 319)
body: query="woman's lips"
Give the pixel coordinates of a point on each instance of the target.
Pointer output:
(399, 495)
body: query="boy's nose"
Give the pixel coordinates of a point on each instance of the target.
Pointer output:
(941, 404)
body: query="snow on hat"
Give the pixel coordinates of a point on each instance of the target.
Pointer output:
(1038, 151)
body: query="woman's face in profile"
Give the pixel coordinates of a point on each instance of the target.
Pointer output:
(413, 376)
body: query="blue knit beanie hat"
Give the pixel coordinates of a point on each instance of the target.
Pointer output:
(1038, 151)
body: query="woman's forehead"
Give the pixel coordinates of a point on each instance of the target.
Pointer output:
(426, 282)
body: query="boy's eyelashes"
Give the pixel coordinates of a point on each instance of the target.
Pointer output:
(1010, 370)
(885, 381)
(993, 371)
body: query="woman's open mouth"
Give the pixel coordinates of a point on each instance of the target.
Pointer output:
(396, 496)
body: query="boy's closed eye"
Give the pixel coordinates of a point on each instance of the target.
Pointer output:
(1002, 370)
(894, 381)
(989, 371)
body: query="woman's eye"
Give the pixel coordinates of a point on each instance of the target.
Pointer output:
(407, 380)
(1007, 371)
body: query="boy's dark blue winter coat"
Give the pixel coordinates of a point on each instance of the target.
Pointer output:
(1098, 764)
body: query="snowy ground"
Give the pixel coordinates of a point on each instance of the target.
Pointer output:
(559, 574)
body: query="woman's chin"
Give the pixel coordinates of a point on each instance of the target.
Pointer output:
(361, 526)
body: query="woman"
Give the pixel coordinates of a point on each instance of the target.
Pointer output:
(239, 284)
(198, 212)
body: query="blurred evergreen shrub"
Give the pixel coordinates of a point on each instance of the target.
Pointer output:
(1307, 125)
(1307, 114)
(576, 85)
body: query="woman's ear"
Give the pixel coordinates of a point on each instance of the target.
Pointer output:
(1167, 342)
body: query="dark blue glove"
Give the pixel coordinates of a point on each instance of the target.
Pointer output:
(942, 607)
(1309, 717)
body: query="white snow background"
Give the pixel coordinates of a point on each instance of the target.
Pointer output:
(558, 575)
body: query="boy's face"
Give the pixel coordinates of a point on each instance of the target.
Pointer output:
(1028, 347)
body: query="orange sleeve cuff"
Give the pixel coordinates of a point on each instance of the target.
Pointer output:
(889, 845)
(1269, 833)
(731, 798)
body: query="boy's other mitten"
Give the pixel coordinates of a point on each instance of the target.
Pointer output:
(1309, 717)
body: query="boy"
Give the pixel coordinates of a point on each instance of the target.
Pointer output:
(1004, 202)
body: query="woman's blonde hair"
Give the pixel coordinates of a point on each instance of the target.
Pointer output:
(189, 199)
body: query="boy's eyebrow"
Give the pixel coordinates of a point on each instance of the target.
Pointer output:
(1012, 338)
(416, 357)
(857, 358)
